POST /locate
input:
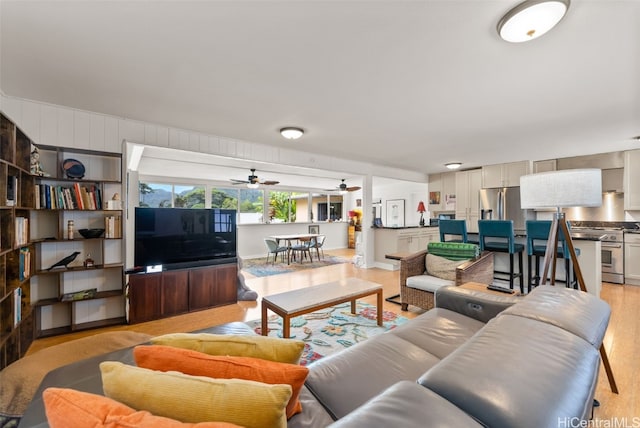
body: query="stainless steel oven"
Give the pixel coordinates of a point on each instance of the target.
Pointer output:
(612, 246)
(613, 262)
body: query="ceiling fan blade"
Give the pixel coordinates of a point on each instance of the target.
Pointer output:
(234, 181)
(353, 189)
(269, 182)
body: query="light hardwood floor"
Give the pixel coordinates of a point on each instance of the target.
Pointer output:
(620, 342)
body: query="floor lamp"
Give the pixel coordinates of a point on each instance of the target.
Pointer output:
(563, 189)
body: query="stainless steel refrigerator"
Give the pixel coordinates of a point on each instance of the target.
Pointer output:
(504, 204)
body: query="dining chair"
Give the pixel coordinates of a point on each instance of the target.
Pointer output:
(319, 242)
(302, 248)
(275, 249)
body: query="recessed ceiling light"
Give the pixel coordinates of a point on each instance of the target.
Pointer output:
(531, 19)
(453, 165)
(291, 132)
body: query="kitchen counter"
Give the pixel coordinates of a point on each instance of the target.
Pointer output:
(578, 236)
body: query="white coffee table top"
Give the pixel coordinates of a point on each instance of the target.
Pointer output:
(311, 297)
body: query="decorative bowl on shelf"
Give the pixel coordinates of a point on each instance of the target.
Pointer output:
(91, 233)
(73, 168)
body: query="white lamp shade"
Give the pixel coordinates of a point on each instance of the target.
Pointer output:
(564, 188)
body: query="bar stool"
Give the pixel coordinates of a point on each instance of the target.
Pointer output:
(502, 240)
(453, 227)
(537, 236)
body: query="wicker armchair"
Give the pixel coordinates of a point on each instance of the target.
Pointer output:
(479, 270)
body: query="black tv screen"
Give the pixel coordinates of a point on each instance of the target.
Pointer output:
(183, 237)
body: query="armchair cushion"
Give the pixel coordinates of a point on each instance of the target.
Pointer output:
(428, 283)
(442, 267)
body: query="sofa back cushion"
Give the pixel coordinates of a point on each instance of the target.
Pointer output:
(454, 250)
(518, 372)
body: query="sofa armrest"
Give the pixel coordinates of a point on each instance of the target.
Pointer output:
(479, 270)
(474, 304)
(412, 265)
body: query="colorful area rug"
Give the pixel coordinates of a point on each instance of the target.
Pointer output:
(259, 267)
(332, 329)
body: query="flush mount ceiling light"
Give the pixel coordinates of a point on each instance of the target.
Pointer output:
(531, 19)
(453, 165)
(291, 132)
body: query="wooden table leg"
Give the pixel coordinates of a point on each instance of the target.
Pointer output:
(353, 306)
(379, 294)
(265, 328)
(286, 326)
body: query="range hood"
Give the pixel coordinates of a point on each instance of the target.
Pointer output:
(611, 164)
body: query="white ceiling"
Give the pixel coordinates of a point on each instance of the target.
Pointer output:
(409, 84)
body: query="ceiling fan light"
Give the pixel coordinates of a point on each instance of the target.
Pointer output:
(453, 165)
(531, 19)
(291, 132)
(253, 185)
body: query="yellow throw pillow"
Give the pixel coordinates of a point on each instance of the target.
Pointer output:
(170, 358)
(267, 348)
(196, 398)
(68, 408)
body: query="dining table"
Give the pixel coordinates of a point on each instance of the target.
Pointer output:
(300, 237)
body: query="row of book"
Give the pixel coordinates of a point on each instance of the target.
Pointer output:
(75, 197)
(22, 231)
(113, 226)
(24, 264)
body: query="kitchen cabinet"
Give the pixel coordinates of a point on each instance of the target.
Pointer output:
(445, 184)
(632, 258)
(545, 165)
(505, 174)
(631, 183)
(468, 184)
(411, 240)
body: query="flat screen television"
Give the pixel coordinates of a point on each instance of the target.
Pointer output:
(184, 237)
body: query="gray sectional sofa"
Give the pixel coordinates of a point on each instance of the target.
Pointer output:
(476, 359)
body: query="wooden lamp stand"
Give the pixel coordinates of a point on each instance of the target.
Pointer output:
(559, 225)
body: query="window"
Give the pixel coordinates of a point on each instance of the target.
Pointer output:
(156, 195)
(224, 198)
(188, 196)
(251, 203)
(288, 207)
(331, 210)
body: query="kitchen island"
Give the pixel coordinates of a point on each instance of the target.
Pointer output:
(389, 240)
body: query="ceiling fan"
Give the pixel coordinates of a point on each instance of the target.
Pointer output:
(253, 181)
(343, 188)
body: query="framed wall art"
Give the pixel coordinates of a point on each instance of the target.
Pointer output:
(395, 213)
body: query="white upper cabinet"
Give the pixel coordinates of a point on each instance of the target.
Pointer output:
(444, 184)
(545, 165)
(467, 199)
(505, 174)
(631, 182)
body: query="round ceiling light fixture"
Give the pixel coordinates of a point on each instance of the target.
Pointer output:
(291, 132)
(453, 165)
(531, 19)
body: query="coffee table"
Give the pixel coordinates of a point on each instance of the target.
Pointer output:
(305, 300)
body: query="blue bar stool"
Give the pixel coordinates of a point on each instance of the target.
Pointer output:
(537, 236)
(499, 236)
(453, 227)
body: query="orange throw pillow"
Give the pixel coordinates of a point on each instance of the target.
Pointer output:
(68, 408)
(194, 363)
